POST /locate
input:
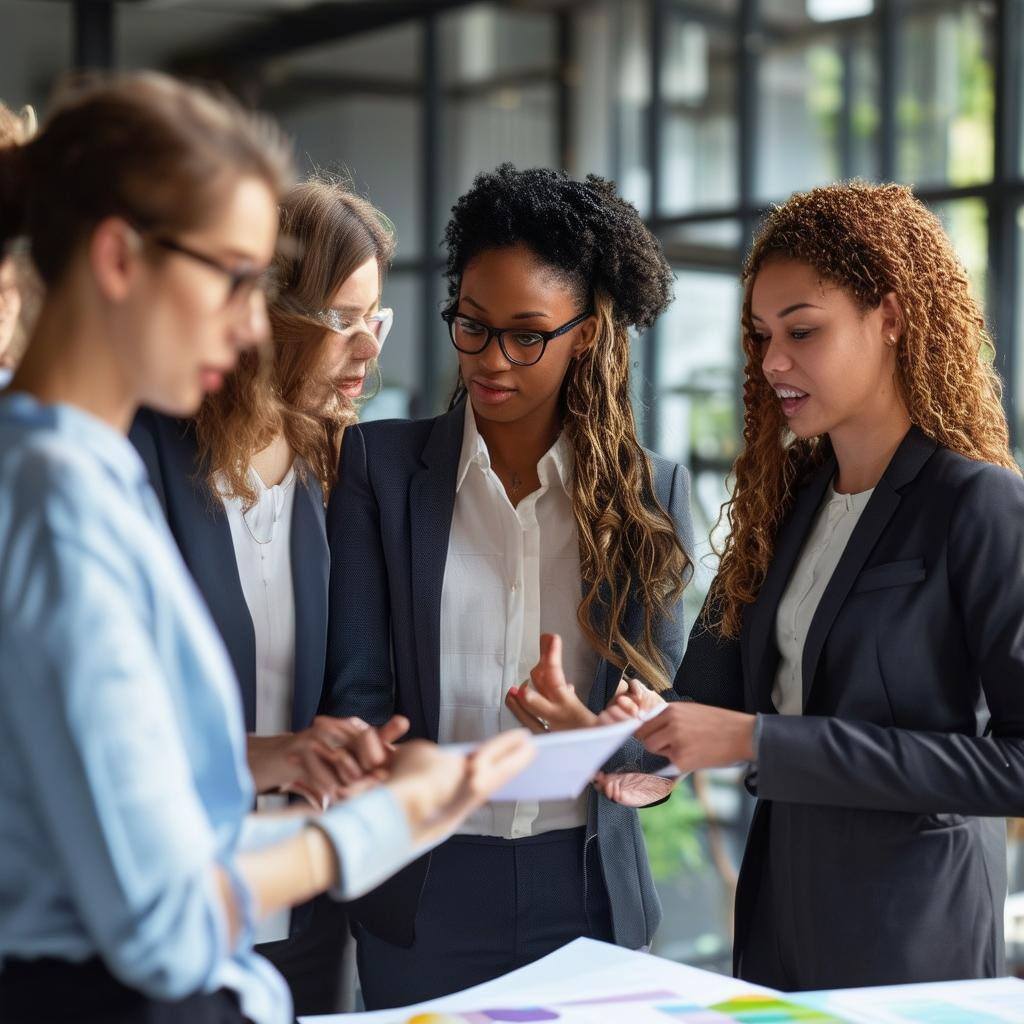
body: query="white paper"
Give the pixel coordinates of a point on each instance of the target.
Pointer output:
(986, 1001)
(565, 762)
(583, 969)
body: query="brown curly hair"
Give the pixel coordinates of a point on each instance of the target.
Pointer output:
(597, 242)
(869, 240)
(328, 232)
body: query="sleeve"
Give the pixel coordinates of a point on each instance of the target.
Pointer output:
(143, 435)
(671, 635)
(857, 764)
(106, 765)
(358, 676)
(371, 840)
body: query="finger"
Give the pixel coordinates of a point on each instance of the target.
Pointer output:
(537, 705)
(522, 716)
(347, 767)
(299, 789)
(613, 714)
(499, 759)
(318, 772)
(369, 750)
(394, 728)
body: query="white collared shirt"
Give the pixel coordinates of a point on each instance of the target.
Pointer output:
(822, 550)
(261, 537)
(511, 574)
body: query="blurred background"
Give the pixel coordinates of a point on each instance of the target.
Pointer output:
(703, 111)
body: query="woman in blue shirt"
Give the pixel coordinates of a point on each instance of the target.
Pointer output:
(130, 874)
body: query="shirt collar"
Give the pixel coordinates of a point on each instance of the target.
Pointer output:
(82, 429)
(556, 463)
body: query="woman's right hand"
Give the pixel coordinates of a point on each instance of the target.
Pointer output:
(333, 759)
(438, 789)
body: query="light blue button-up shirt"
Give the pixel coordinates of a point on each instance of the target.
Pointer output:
(123, 778)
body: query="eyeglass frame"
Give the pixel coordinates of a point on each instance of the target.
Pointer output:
(451, 314)
(256, 280)
(330, 318)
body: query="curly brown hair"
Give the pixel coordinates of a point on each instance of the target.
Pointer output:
(328, 232)
(585, 232)
(869, 240)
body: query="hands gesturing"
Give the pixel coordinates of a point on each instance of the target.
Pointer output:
(333, 759)
(547, 702)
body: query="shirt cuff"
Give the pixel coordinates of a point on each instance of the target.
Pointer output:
(756, 743)
(371, 840)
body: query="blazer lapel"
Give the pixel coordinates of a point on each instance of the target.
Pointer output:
(200, 526)
(311, 563)
(431, 507)
(760, 673)
(906, 463)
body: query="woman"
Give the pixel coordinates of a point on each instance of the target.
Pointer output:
(131, 878)
(863, 635)
(14, 130)
(529, 506)
(244, 487)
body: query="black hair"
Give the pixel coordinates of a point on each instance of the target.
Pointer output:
(581, 229)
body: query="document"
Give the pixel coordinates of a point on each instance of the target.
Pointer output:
(565, 762)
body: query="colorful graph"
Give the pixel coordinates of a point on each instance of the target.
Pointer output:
(771, 1010)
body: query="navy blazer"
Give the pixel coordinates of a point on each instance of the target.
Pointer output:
(879, 827)
(388, 525)
(200, 526)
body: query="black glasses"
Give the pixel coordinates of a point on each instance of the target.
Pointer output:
(242, 284)
(518, 346)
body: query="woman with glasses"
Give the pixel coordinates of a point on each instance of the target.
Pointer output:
(244, 486)
(131, 872)
(529, 508)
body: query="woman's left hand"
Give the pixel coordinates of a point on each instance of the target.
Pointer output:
(547, 697)
(694, 736)
(633, 789)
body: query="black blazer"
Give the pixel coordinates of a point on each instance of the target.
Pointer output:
(388, 524)
(878, 831)
(200, 527)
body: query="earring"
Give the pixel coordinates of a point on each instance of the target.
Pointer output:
(892, 341)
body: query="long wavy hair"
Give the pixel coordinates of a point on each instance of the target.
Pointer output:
(328, 232)
(869, 240)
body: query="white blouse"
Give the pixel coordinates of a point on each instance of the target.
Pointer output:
(512, 573)
(261, 537)
(818, 560)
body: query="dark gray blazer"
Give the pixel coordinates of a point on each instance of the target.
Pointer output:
(878, 831)
(200, 527)
(388, 525)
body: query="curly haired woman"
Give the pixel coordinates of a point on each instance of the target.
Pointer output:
(864, 637)
(529, 508)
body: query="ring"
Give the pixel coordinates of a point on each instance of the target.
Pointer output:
(544, 724)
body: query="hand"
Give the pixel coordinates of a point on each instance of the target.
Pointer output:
(694, 736)
(546, 696)
(633, 789)
(331, 760)
(438, 789)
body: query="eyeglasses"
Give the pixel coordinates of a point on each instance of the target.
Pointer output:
(378, 324)
(522, 348)
(242, 284)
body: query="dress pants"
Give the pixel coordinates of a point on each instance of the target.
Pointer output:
(313, 962)
(51, 991)
(488, 906)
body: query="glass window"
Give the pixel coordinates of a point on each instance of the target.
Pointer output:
(633, 93)
(488, 42)
(966, 223)
(1018, 394)
(698, 84)
(37, 49)
(818, 109)
(368, 139)
(946, 95)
